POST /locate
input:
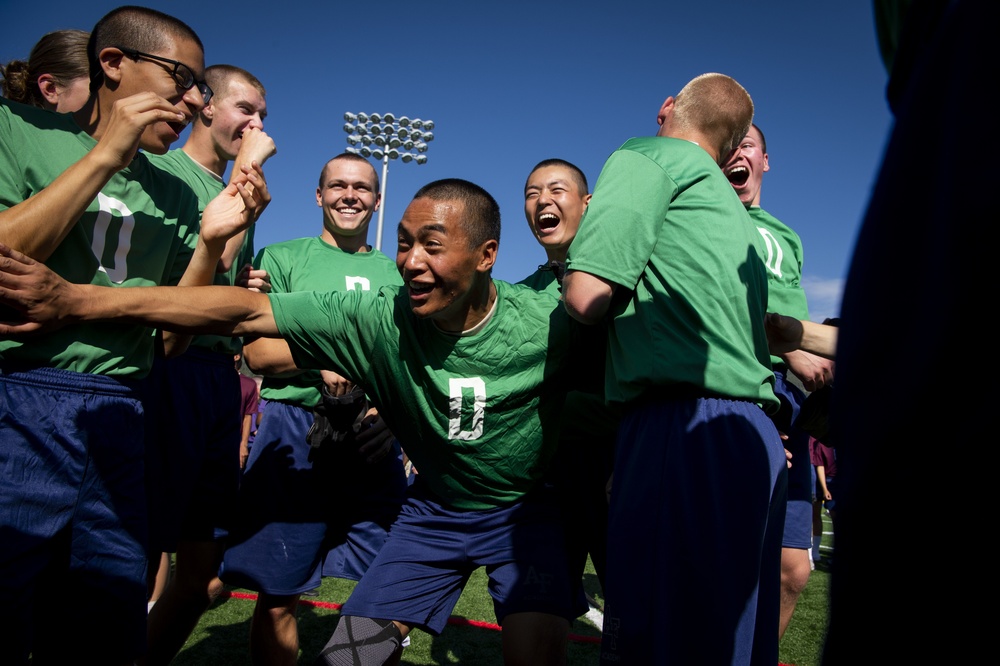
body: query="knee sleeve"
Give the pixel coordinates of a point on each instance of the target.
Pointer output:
(360, 641)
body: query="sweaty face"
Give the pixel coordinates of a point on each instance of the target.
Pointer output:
(153, 76)
(746, 168)
(240, 107)
(553, 206)
(348, 198)
(439, 268)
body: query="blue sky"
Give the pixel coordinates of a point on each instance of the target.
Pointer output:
(511, 83)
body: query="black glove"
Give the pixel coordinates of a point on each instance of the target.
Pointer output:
(334, 417)
(374, 439)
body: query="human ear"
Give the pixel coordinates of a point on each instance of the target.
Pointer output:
(110, 60)
(489, 255)
(47, 86)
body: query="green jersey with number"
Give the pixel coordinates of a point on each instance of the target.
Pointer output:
(132, 234)
(312, 264)
(481, 410)
(783, 260)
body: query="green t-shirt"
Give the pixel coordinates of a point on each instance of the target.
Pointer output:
(132, 234)
(312, 264)
(206, 186)
(666, 226)
(782, 258)
(481, 411)
(586, 416)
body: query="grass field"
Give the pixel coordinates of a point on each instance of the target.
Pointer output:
(472, 637)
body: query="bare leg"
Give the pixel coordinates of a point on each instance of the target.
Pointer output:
(534, 638)
(190, 592)
(159, 576)
(274, 631)
(794, 576)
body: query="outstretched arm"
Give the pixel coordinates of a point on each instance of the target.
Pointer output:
(785, 334)
(45, 302)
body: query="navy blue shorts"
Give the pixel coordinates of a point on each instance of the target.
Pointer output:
(694, 538)
(72, 517)
(798, 515)
(419, 574)
(193, 429)
(298, 503)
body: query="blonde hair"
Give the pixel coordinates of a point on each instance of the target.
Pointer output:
(718, 107)
(218, 77)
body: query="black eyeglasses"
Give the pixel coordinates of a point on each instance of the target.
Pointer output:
(181, 73)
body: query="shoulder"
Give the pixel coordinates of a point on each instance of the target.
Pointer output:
(295, 245)
(762, 218)
(526, 299)
(32, 123)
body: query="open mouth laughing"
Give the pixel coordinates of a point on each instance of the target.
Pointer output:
(738, 175)
(546, 222)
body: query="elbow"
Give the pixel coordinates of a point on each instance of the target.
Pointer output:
(584, 313)
(587, 298)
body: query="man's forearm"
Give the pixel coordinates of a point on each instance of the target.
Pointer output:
(37, 225)
(199, 272)
(190, 310)
(819, 339)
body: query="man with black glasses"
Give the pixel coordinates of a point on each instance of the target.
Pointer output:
(76, 193)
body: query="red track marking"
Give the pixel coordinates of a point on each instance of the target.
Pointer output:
(461, 621)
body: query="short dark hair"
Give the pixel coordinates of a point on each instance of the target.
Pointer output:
(482, 218)
(139, 28)
(351, 157)
(578, 175)
(62, 53)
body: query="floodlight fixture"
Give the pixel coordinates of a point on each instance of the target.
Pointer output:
(387, 133)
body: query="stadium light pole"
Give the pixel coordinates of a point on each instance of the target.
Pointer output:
(381, 136)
